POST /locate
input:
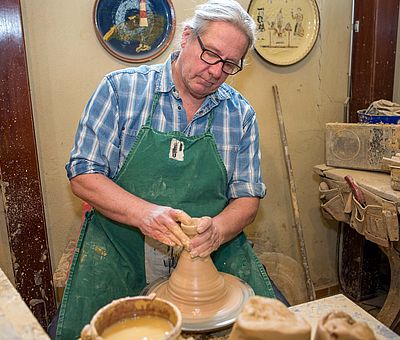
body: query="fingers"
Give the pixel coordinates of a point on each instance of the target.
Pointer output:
(180, 236)
(160, 223)
(181, 216)
(203, 224)
(208, 251)
(171, 240)
(206, 248)
(208, 239)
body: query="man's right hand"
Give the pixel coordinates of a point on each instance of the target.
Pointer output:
(162, 223)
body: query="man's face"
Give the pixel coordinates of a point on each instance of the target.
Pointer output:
(224, 39)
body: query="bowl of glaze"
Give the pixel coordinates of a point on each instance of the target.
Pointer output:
(135, 317)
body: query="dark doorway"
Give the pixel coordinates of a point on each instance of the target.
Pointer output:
(373, 53)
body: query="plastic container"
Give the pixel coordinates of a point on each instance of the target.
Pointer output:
(364, 117)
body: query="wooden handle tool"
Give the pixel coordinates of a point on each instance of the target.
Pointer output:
(355, 189)
(293, 195)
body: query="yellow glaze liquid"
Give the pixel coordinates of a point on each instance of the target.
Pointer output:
(140, 328)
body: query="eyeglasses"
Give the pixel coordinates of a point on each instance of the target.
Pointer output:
(213, 58)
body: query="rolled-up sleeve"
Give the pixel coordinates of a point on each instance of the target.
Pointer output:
(247, 178)
(96, 145)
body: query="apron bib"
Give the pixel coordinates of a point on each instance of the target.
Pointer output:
(165, 168)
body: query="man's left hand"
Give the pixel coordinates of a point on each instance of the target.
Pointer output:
(209, 238)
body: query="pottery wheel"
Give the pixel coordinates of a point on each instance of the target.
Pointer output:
(207, 299)
(204, 317)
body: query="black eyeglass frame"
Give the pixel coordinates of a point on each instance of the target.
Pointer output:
(220, 60)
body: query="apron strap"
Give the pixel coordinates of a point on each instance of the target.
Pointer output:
(153, 109)
(210, 120)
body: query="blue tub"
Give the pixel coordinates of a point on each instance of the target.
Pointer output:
(377, 119)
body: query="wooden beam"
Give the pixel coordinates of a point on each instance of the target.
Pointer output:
(19, 171)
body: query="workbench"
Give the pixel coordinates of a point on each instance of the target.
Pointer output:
(16, 319)
(382, 228)
(313, 311)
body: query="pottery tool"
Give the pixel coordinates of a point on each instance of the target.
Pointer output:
(293, 195)
(355, 189)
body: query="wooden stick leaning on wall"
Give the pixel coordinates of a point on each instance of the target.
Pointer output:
(293, 195)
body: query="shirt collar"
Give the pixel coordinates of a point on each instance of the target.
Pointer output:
(165, 82)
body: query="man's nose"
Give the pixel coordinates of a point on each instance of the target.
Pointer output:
(216, 70)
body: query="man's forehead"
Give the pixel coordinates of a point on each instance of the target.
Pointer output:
(215, 35)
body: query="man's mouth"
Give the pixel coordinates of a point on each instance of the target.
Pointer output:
(210, 82)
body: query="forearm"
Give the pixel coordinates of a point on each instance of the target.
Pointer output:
(158, 222)
(236, 216)
(109, 198)
(212, 232)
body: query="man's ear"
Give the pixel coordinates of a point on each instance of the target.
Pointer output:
(187, 32)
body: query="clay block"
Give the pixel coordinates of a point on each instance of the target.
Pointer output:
(361, 146)
(338, 325)
(269, 319)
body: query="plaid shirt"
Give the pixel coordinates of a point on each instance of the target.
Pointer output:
(120, 105)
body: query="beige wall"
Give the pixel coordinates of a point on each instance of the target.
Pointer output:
(66, 62)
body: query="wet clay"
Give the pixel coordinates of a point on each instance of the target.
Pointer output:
(206, 298)
(269, 319)
(341, 326)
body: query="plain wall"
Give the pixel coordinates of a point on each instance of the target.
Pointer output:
(66, 62)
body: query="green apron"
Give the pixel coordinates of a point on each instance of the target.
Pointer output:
(168, 169)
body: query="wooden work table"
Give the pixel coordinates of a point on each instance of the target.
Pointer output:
(378, 184)
(313, 311)
(16, 319)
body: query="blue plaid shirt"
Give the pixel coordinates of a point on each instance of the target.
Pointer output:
(119, 107)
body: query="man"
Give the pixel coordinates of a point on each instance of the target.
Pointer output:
(156, 146)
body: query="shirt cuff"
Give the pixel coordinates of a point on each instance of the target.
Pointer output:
(242, 189)
(80, 168)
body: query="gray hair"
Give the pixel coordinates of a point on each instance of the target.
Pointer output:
(223, 10)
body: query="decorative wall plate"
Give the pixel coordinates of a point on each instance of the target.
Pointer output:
(134, 30)
(287, 29)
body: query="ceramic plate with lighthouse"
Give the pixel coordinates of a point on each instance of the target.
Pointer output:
(134, 31)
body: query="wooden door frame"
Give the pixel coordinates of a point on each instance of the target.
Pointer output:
(19, 171)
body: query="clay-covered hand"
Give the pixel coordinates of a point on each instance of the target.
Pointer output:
(162, 223)
(209, 238)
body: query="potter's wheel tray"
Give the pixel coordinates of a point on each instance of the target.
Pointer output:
(199, 315)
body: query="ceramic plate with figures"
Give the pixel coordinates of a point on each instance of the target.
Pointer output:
(287, 29)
